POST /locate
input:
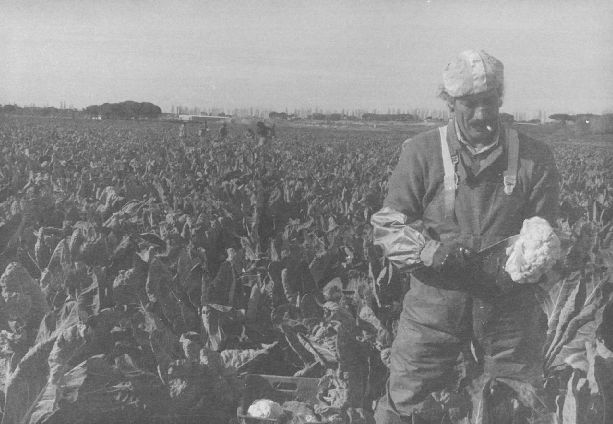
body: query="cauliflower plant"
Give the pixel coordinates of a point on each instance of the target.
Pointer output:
(19, 292)
(534, 252)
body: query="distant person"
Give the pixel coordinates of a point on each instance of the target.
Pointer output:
(182, 131)
(264, 133)
(202, 133)
(251, 134)
(223, 132)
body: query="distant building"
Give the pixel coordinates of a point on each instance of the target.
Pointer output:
(167, 116)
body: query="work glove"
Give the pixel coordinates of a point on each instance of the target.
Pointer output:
(450, 259)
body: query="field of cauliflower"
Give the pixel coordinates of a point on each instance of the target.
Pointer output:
(144, 275)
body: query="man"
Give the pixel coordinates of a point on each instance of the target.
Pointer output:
(223, 132)
(456, 190)
(202, 132)
(263, 133)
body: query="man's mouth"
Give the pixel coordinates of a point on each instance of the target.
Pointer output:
(482, 127)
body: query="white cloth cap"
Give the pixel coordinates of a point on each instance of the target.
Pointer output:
(472, 72)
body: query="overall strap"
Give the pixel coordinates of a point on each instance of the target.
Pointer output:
(450, 181)
(510, 175)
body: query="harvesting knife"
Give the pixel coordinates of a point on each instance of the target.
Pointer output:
(493, 248)
(486, 255)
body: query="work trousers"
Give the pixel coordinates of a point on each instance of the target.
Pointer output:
(459, 341)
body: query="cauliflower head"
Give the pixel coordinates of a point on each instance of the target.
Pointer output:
(534, 252)
(265, 408)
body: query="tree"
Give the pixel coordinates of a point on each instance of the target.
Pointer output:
(506, 118)
(129, 109)
(93, 110)
(125, 110)
(10, 108)
(149, 110)
(562, 117)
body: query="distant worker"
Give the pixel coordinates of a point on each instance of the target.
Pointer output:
(182, 131)
(223, 132)
(202, 133)
(263, 133)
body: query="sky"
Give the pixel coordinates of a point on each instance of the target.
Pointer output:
(333, 55)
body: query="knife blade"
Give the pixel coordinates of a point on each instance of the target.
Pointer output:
(493, 247)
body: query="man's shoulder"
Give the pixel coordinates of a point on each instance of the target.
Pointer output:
(532, 148)
(422, 142)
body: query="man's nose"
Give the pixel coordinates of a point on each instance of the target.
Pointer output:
(481, 113)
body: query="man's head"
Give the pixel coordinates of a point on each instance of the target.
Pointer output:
(473, 87)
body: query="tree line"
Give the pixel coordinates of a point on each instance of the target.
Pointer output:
(47, 111)
(125, 110)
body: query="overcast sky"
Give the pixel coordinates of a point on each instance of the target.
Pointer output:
(558, 54)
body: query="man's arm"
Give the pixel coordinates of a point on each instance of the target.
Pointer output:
(402, 242)
(398, 227)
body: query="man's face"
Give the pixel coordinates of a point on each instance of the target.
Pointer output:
(477, 116)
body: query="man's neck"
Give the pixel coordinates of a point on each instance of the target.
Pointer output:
(477, 143)
(477, 146)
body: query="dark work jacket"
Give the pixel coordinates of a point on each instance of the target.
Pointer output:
(437, 322)
(414, 210)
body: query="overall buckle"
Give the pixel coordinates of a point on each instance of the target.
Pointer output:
(509, 184)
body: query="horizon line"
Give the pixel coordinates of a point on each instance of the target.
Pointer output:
(313, 109)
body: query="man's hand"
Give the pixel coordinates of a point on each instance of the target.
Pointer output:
(452, 259)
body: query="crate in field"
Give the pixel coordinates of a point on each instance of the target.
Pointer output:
(277, 388)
